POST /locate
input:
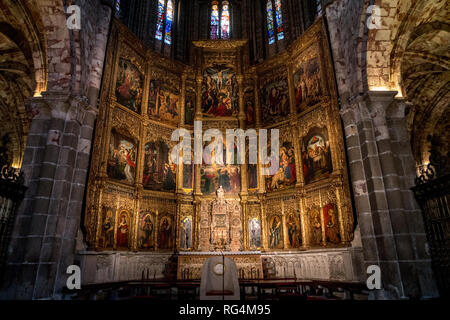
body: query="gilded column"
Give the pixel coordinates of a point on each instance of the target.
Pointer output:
(298, 155)
(137, 208)
(198, 115)
(244, 217)
(198, 92)
(340, 205)
(242, 125)
(258, 126)
(144, 105)
(181, 125)
(264, 245)
(284, 224)
(322, 220)
(291, 88)
(195, 222)
(156, 229)
(183, 99)
(304, 221)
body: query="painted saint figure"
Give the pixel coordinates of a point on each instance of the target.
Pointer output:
(165, 232)
(255, 233)
(122, 231)
(275, 233)
(316, 226)
(146, 239)
(293, 232)
(331, 224)
(108, 229)
(185, 233)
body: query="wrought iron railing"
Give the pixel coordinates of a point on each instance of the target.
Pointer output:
(432, 192)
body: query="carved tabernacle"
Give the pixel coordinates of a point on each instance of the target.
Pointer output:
(220, 224)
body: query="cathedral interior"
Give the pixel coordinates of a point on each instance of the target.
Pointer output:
(95, 94)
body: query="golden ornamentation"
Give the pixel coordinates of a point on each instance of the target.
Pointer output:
(299, 199)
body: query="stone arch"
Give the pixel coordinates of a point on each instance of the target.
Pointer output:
(23, 71)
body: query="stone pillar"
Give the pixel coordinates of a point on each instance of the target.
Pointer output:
(374, 135)
(55, 168)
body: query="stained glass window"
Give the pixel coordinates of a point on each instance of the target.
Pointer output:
(117, 8)
(225, 20)
(160, 20)
(279, 20)
(319, 7)
(274, 18)
(169, 20)
(270, 27)
(214, 35)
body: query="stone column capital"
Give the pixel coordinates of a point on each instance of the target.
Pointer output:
(377, 104)
(398, 108)
(379, 101)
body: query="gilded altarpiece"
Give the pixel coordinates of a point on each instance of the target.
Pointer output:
(140, 199)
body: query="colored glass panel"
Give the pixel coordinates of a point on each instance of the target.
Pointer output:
(270, 26)
(279, 20)
(169, 21)
(215, 22)
(225, 21)
(160, 20)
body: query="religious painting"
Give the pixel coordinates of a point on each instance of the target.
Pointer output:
(286, 174)
(129, 86)
(163, 103)
(254, 229)
(146, 237)
(186, 233)
(123, 230)
(106, 239)
(275, 233)
(250, 111)
(159, 171)
(315, 227)
(229, 177)
(213, 175)
(187, 176)
(220, 92)
(308, 88)
(122, 158)
(165, 240)
(330, 219)
(189, 109)
(252, 173)
(275, 101)
(316, 155)
(294, 231)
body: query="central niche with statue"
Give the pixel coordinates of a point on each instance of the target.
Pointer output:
(151, 207)
(220, 224)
